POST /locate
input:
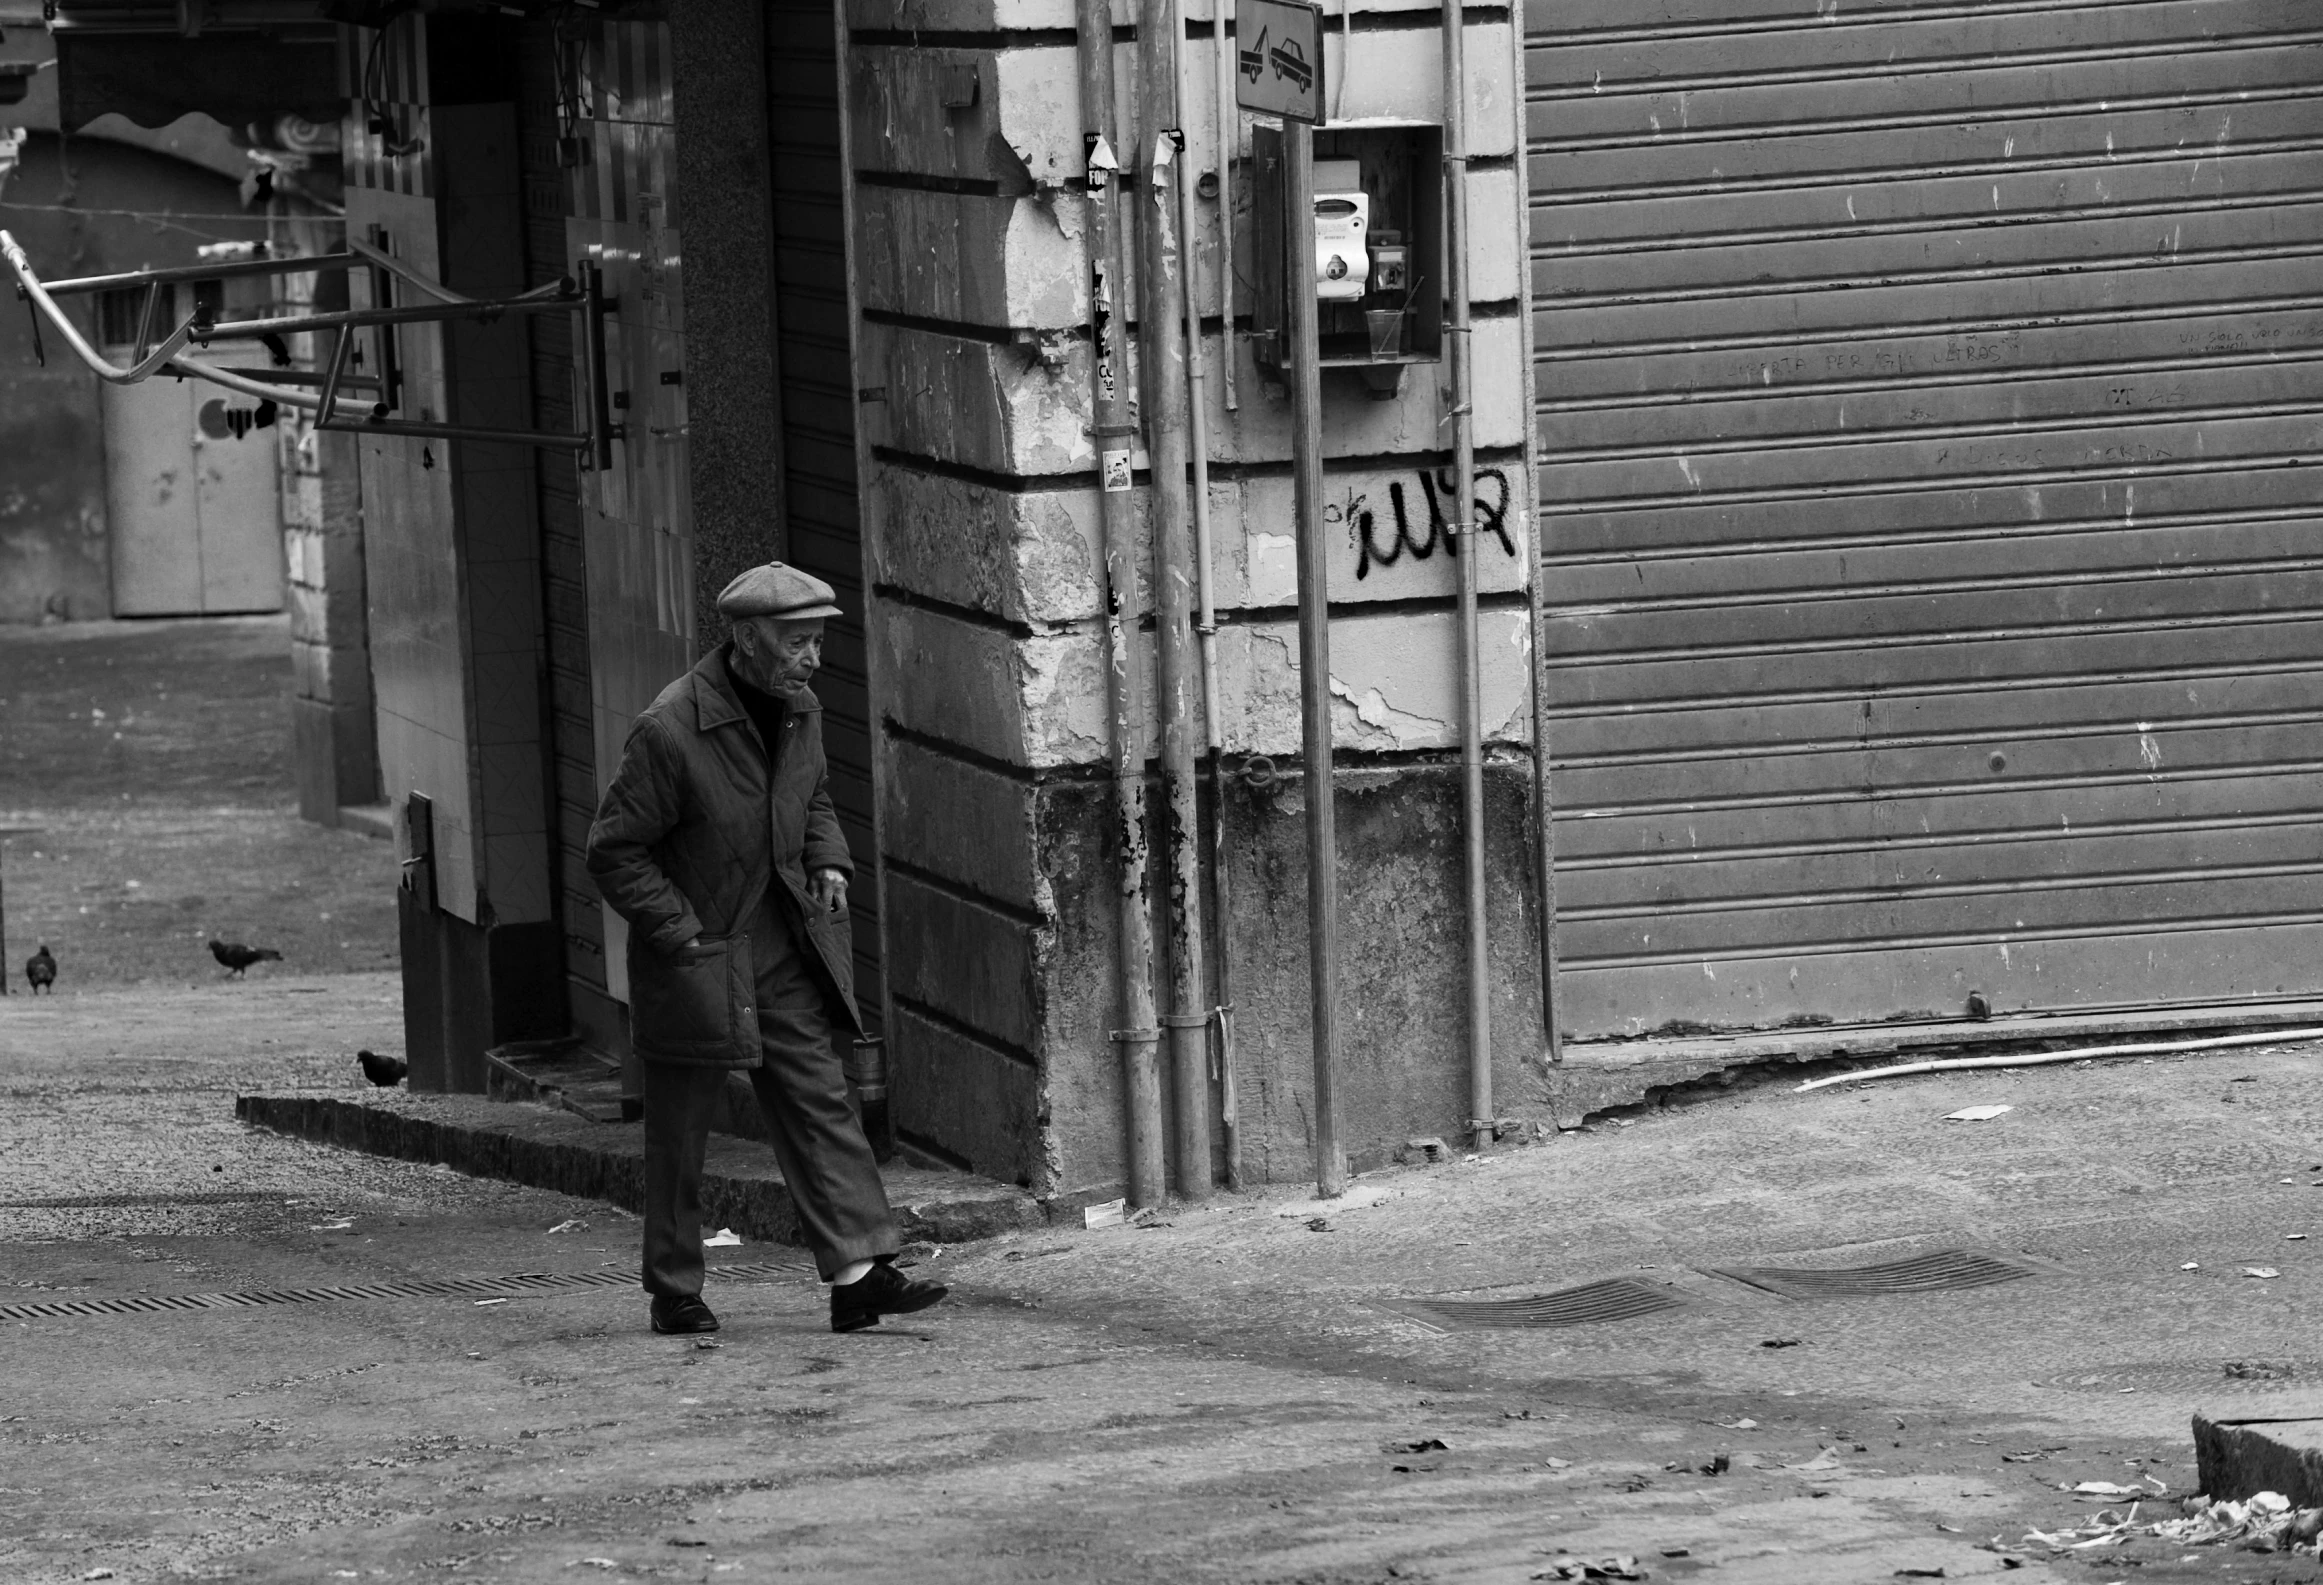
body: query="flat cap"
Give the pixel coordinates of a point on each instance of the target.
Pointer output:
(778, 590)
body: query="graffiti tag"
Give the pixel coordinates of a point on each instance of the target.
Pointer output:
(1490, 509)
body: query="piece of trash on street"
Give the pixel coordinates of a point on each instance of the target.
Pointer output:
(1780, 1342)
(1558, 1463)
(1746, 1423)
(481, 1303)
(1920, 1573)
(723, 1238)
(593, 1562)
(1111, 1213)
(1426, 1444)
(2191, 1265)
(1318, 1224)
(2294, 1237)
(1976, 1114)
(1623, 1566)
(2260, 1271)
(98, 1573)
(2265, 1523)
(1677, 1551)
(570, 1225)
(1827, 1459)
(333, 1227)
(1719, 1464)
(2260, 1369)
(705, 1344)
(2104, 1488)
(686, 1540)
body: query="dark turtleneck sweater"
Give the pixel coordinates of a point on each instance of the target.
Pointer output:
(767, 712)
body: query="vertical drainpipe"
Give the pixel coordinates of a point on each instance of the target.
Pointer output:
(1460, 366)
(1206, 625)
(1138, 1036)
(1162, 356)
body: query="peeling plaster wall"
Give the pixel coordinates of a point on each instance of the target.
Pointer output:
(984, 541)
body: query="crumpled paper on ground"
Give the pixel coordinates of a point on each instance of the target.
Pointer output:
(2265, 1523)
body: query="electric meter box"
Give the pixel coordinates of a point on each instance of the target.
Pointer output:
(1372, 253)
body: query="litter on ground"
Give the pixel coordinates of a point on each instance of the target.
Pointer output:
(1976, 1114)
(723, 1238)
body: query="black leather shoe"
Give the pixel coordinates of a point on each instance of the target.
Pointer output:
(881, 1291)
(682, 1312)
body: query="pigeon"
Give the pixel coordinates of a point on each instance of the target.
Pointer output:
(40, 969)
(386, 1072)
(1978, 1007)
(237, 957)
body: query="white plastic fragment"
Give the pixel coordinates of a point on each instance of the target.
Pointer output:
(2260, 1271)
(723, 1238)
(1110, 1214)
(1976, 1114)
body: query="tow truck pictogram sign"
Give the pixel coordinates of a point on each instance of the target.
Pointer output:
(1279, 62)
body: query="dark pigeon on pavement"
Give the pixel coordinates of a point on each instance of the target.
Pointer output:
(386, 1072)
(237, 957)
(40, 969)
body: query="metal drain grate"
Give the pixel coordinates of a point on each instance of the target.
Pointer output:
(102, 1202)
(426, 1288)
(1618, 1299)
(1940, 1271)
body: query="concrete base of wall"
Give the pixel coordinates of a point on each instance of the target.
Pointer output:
(1601, 1076)
(546, 1149)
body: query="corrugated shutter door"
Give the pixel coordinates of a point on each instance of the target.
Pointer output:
(1927, 395)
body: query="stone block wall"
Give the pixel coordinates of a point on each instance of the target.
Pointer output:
(989, 649)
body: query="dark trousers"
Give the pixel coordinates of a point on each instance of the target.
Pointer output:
(818, 1140)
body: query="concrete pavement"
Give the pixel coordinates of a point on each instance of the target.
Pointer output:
(1214, 1398)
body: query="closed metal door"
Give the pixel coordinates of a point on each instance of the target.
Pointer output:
(1928, 403)
(193, 499)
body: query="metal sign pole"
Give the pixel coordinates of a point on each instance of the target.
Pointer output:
(1314, 653)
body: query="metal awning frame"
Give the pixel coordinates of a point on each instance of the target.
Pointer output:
(334, 408)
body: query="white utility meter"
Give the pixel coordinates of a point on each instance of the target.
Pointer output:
(1342, 231)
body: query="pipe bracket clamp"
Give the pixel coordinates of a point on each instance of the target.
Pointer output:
(1135, 1037)
(1185, 1020)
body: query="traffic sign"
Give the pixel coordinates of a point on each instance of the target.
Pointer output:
(1278, 67)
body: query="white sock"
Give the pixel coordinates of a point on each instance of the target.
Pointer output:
(855, 1271)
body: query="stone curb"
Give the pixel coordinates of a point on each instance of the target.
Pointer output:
(2237, 1459)
(543, 1148)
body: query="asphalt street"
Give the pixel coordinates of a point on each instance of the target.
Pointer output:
(1219, 1397)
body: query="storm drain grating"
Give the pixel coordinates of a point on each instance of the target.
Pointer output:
(107, 1202)
(1940, 1271)
(1617, 1299)
(423, 1288)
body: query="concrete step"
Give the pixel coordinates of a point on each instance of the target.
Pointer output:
(2237, 1459)
(543, 1147)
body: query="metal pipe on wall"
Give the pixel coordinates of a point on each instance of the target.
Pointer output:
(1229, 134)
(1165, 367)
(1206, 628)
(1462, 531)
(1138, 1035)
(1314, 547)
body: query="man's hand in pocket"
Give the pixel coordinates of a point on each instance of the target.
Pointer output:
(829, 890)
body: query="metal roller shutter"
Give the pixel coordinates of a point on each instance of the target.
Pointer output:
(1928, 402)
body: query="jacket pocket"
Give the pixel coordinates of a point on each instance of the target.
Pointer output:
(696, 1005)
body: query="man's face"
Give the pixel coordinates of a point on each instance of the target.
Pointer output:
(781, 657)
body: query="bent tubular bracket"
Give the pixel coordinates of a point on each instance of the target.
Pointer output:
(171, 353)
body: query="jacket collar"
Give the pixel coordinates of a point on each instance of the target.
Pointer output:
(715, 702)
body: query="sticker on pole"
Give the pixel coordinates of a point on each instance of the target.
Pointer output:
(1279, 66)
(1116, 467)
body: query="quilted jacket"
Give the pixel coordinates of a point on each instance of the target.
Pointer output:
(687, 840)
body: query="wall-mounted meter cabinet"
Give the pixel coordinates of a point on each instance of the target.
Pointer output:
(1372, 253)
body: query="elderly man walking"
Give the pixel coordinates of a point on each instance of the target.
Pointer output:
(717, 842)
